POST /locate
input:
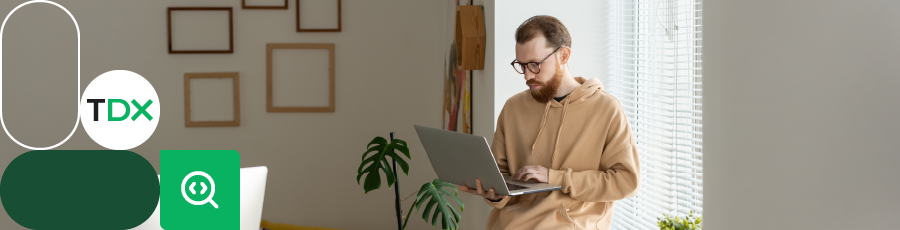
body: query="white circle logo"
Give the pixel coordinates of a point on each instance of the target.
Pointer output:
(120, 110)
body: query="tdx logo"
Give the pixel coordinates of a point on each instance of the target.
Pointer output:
(141, 109)
(120, 109)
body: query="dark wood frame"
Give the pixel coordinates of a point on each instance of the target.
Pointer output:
(235, 76)
(245, 6)
(272, 46)
(319, 30)
(230, 29)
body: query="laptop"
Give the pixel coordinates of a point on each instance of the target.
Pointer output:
(253, 190)
(460, 158)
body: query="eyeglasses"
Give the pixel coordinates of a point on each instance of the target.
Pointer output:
(534, 67)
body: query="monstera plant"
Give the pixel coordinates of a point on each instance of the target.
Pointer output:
(433, 195)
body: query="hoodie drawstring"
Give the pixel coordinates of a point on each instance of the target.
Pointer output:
(561, 125)
(541, 129)
(558, 133)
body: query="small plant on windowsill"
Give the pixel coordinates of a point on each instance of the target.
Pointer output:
(433, 195)
(688, 223)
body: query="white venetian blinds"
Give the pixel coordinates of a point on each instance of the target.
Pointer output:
(655, 72)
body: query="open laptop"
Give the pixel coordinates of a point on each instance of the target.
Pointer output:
(460, 158)
(253, 190)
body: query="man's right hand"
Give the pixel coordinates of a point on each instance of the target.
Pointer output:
(489, 194)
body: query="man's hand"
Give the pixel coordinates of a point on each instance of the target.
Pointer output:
(489, 194)
(535, 172)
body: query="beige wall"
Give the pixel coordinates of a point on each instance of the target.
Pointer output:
(389, 66)
(801, 114)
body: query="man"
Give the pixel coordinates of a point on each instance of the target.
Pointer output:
(565, 131)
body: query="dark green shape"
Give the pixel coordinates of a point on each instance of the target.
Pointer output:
(79, 189)
(380, 149)
(435, 197)
(109, 110)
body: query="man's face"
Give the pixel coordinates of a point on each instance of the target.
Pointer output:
(545, 83)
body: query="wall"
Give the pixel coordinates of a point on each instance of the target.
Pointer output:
(800, 114)
(389, 65)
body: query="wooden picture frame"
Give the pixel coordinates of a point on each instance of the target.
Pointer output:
(187, 100)
(230, 29)
(245, 6)
(338, 29)
(272, 46)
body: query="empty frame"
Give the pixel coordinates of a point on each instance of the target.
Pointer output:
(211, 99)
(319, 16)
(299, 77)
(200, 30)
(265, 4)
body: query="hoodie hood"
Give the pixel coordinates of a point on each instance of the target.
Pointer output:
(588, 88)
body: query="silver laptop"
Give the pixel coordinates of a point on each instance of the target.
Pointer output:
(460, 158)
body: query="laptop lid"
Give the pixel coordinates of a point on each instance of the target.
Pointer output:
(460, 158)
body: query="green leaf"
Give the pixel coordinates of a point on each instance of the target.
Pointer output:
(690, 222)
(374, 161)
(434, 195)
(388, 172)
(373, 181)
(401, 145)
(402, 163)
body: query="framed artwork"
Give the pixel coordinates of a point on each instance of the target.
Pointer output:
(264, 4)
(457, 106)
(200, 30)
(300, 77)
(457, 103)
(212, 99)
(319, 16)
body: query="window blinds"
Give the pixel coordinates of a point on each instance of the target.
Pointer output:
(655, 72)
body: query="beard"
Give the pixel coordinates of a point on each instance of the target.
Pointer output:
(547, 89)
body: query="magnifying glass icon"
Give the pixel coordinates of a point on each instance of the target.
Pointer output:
(208, 199)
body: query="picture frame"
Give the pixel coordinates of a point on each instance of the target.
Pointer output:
(188, 121)
(339, 18)
(245, 6)
(230, 11)
(270, 107)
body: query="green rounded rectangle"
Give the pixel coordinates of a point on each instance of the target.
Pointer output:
(79, 189)
(199, 189)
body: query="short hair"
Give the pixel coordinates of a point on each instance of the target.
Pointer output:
(553, 30)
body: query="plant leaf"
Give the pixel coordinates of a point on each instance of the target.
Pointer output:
(378, 140)
(434, 195)
(373, 181)
(402, 163)
(374, 161)
(401, 145)
(387, 172)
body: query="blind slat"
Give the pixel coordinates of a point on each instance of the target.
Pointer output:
(656, 73)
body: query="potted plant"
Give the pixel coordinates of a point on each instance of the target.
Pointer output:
(688, 223)
(433, 195)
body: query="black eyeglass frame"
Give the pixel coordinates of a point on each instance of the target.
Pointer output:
(527, 64)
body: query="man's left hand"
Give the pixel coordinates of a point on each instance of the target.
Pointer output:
(532, 172)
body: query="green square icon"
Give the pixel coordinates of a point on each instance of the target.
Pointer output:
(199, 189)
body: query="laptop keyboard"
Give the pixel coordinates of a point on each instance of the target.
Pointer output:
(515, 186)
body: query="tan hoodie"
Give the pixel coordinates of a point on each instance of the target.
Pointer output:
(586, 143)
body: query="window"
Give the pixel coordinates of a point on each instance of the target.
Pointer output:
(655, 72)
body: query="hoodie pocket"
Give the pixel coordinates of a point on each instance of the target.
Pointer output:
(564, 214)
